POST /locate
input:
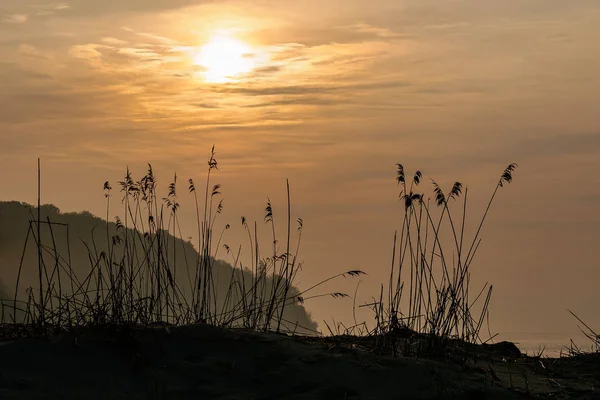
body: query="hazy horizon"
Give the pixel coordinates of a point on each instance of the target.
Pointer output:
(330, 95)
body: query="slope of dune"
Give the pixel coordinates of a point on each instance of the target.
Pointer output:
(202, 362)
(205, 362)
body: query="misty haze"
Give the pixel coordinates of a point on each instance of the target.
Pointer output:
(299, 200)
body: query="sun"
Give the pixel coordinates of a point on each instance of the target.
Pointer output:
(224, 59)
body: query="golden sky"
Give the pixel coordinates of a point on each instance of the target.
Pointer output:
(330, 94)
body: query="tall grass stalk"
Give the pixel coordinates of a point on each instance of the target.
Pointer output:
(134, 278)
(429, 286)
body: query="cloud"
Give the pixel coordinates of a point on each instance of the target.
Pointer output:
(87, 8)
(11, 74)
(157, 38)
(205, 105)
(50, 9)
(114, 41)
(16, 18)
(303, 101)
(88, 51)
(137, 52)
(268, 70)
(32, 52)
(374, 30)
(310, 89)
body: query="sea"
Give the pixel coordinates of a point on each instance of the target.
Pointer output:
(547, 344)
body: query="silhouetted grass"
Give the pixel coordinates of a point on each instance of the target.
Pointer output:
(594, 339)
(134, 279)
(429, 298)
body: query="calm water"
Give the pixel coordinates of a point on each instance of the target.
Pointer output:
(553, 344)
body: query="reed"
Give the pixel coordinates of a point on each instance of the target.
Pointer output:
(143, 275)
(589, 333)
(429, 294)
(137, 277)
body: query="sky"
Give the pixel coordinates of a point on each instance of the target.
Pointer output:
(330, 95)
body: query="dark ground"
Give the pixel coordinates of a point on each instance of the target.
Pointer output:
(203, 362)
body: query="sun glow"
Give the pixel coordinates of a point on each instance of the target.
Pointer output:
(224, 59)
